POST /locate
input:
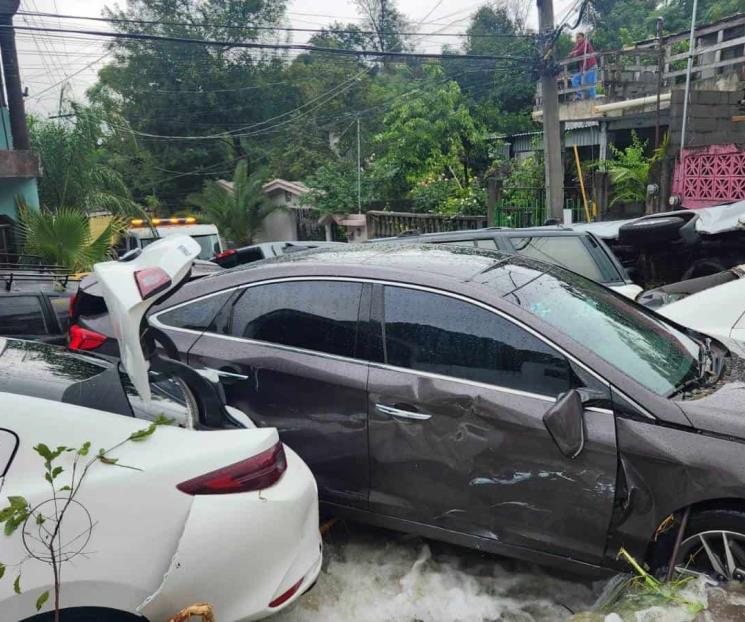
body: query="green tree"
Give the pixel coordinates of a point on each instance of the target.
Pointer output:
(429, 133)
(630, 170)
(238, 211)
(62, 237)
(75, 171)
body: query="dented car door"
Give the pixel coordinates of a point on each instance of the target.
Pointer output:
(457, 438)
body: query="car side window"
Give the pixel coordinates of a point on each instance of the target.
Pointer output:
(438, 334)
(197, 315)
(567, 251)
(21, 315)
(312, 315)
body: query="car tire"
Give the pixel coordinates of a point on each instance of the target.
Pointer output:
(87, 614)
(649, 231)
(703, 267)
(711, 525)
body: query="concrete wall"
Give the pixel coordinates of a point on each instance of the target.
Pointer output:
(11, 189)
(709, 119)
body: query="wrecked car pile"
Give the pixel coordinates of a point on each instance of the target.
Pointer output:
(480, 398)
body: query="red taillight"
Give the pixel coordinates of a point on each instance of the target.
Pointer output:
(151, 281)
(84, 339)
(283, 598)
(255, 473)
(226, 253)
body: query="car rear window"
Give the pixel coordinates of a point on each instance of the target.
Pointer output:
(21, 315)
(47, 372)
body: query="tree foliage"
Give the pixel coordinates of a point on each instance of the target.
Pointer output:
(76, 174)
(238, 211)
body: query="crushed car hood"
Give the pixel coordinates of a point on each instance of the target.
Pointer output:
(720, 409)
(173, 255)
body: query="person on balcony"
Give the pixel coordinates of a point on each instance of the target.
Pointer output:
(587, 70)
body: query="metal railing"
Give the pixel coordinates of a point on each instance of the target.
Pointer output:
(633, 72)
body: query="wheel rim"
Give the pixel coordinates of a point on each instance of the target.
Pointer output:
(716, 554)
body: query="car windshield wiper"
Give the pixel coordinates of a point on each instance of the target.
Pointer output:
(705, 369)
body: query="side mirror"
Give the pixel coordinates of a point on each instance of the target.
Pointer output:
(565, 423)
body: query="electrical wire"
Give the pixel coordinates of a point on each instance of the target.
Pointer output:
(250, 28)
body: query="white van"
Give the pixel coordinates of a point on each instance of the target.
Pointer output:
(140, 234)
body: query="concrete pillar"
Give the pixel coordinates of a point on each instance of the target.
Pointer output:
(16, 105)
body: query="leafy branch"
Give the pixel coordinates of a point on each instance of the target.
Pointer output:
(41, 524)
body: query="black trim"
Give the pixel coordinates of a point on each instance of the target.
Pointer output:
(12, 455)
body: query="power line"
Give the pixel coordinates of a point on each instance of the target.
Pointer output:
(119, 20)
(266, 46)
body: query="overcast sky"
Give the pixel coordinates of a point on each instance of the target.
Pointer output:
(49, 62)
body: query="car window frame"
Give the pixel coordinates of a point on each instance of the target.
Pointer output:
(366, 330)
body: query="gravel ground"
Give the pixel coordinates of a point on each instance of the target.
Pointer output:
(372, 575)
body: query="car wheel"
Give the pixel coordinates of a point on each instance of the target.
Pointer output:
(703, 267)
(651, 231)
(87, 614)
(714, 545)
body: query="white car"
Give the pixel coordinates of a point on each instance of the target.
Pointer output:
(713, 305)
(225, 517)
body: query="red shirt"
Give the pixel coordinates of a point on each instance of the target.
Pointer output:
(584, 48)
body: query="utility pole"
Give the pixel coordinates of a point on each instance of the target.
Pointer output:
(691, 49)
(16, 106)
(359, 169)
(551, 127)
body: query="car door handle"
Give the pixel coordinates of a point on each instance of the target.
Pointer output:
(399, 412)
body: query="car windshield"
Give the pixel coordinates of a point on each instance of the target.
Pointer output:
(567, 251)
(649, 350)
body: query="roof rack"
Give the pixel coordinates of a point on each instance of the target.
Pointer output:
(33, 271)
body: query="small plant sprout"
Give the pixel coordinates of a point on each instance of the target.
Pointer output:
(41, 525)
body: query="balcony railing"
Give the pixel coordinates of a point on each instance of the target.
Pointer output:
(633, 72)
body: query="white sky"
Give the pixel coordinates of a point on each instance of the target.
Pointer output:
(48, 62)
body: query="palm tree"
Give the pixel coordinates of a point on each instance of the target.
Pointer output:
(238, 211)
(63, 237)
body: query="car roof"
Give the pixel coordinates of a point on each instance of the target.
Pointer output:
(486, 233)
(452, 267)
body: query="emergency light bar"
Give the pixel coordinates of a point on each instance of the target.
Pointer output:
(141, 222)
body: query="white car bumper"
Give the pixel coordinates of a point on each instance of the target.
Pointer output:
(239, 552)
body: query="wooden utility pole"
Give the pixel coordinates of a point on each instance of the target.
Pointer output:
(551, 127)
(16, 106)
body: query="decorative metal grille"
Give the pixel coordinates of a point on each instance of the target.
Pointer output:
(718, 177)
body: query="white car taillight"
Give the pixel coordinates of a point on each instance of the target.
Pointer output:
(255, 473)
(151, 281)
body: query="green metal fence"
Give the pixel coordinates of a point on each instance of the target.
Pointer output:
(527, 207)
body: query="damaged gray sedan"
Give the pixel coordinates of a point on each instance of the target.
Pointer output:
(488, 400)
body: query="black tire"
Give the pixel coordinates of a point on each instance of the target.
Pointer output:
(703, 267)
(651, 231)
(87, 614)
(714, 520)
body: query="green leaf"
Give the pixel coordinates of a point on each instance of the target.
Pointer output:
(12, 524)
(141, 435)
(18, 502)
(6, 513)
(17, 585)
(64, 488)
(163, 420)
(2, 570)
(43, 451)
(56, 472)
(48, 477)
(40, 520)
(107, 460)
(83, 451)
(41, 600)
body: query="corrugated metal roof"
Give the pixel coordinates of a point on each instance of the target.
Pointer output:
(587, 136)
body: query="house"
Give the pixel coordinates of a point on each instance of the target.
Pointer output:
(19, 166)
(291, 219)
(641, 88)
